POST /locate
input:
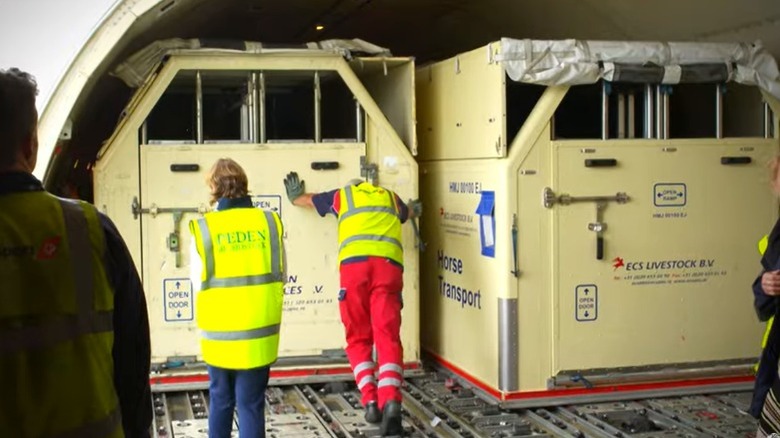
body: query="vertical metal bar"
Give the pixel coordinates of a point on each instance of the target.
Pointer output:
(659, 112)
(667, 119)
(649, 109)
(317, 109)
(145, 132)
(246, 117)
(719, 111)
(252, 103)
(261, 109)
(604, 111)
(552, 127)
(508, 343)
(631, 115)
(359, 122)
(199, 108)
(621, 115)
(767, 121)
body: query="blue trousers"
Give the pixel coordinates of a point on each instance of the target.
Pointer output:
(245, 388)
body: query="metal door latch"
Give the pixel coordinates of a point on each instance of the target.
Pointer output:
(549, 198)
(154, 210)
(368, 170)
(173, 240)
(599, 227)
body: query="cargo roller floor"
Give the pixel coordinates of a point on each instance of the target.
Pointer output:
(435, 406)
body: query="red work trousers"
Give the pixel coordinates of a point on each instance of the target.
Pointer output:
(370, 305)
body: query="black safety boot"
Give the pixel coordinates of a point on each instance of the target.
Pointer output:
(373, 414)
(391, 420)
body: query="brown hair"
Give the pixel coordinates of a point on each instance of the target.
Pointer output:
(18, 116)
(227, 179)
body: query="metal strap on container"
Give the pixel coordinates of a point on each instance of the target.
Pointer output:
(274, 276)
(242, 335)
(87, 320)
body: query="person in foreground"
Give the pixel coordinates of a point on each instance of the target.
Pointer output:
(74, 331)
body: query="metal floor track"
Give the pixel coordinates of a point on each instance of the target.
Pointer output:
(435, 406)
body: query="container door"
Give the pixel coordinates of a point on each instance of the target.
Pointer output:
(670, 280)
(174, 192)
(311, 322)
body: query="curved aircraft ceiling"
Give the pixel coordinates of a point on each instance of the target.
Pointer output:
(426, 29)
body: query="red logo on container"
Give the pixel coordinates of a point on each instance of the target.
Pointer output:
(617, 262)
(48, 248)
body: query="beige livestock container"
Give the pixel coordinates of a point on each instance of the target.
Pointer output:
(316, 112)
(591, 227)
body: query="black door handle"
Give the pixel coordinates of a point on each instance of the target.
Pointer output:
(735, 160)
(324, 165)
(185, 167)
(599, 248)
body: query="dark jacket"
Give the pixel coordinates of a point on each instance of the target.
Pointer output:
(766, 306)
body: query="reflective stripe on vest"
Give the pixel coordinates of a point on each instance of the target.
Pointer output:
(87, 320)
(243, 335)
(97, 429)
(352, 210)
(369, 237)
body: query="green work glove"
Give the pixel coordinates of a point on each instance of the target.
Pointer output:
(415, 206)
(294, 186)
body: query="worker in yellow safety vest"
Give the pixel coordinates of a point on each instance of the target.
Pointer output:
(74, 333)
(371, 276)
(238, 265)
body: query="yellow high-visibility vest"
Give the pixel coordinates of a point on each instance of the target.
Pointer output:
(762, 246)
(239, 307)
(56, 320)
(368, 223)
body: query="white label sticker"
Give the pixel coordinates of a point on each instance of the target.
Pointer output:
(487, 230)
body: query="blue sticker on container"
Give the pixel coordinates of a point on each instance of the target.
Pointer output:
(487, 223)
